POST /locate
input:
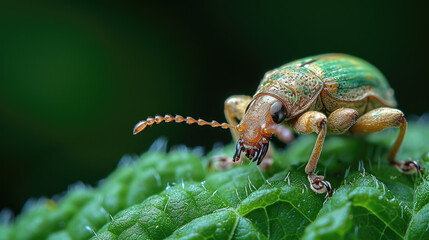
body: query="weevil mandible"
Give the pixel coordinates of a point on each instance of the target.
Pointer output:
(323, 94)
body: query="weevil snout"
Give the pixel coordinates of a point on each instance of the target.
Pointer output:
(258, 124)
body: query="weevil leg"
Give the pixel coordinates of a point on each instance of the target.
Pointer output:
(340, 120)
(314, 122)
(380, 119)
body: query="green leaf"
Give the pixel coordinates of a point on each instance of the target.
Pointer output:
(334, 224)
(372, 210)
(419, 225)
(175, 196)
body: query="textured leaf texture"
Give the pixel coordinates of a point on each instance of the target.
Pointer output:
(176, 196)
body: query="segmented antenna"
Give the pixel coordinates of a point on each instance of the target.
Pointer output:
(178, 119)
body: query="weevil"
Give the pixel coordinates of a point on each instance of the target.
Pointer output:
(324, 94)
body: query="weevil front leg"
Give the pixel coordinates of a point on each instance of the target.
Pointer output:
(380, 119)
(314, 122)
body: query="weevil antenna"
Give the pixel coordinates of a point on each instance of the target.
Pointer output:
(178, 119)
(283, 133)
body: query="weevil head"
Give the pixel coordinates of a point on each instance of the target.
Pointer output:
(262, 113)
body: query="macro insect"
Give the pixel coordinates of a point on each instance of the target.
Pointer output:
(324, 94)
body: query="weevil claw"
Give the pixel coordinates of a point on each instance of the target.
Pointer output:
(328, 188)
(409, 166)
(319, 185)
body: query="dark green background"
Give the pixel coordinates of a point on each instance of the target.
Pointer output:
(76, 77)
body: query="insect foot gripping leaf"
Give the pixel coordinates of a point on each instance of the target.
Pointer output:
(172, 196)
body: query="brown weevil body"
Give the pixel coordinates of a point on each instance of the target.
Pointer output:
(323, 94)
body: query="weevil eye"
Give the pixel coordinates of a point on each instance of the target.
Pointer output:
(278, 112)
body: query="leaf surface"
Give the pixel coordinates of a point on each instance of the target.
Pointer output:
(174, 196)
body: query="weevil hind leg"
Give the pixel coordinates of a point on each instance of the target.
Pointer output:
(380, 119)
(314, 122)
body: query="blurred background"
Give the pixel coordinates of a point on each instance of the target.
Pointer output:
(76, 77)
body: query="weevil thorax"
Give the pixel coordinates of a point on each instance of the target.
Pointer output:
(295, 86)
